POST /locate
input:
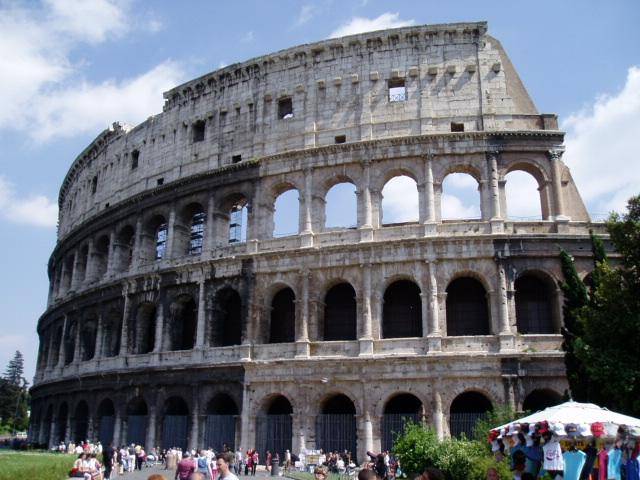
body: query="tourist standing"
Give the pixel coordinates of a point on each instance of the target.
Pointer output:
(223, 463)
(185, 467)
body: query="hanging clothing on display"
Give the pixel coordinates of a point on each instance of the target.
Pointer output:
(574, 460)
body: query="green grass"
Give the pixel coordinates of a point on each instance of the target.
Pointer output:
(36, 465)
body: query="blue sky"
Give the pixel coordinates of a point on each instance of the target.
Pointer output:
(68, 69)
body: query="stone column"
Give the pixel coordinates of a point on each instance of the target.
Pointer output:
(201, 312)
(67, 429)
(99, 334)
(555, 156)
(171, 227)
(52, 431)
(503, 302)
(492, 176)
(210, 241)
(157, 344)
(302, 327)
(367, 431)
(90, 432)
(76, 344)
(76, 282)
(117, 427)
(428, 204)
(246, 438)
(366, 217)
(366, 338)
(307, 221)
(111, 254)
(376, 204)
(195, 416)
(438, 421)
(62, 352)
(124, 335)
(137, 255)
(151, 427)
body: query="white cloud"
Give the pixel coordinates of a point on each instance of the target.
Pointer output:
(37, 73)
(362, 24)
(460, 197)
(247, 37)
(400, 200)
(601, 147)
(306, 13)
(456, 207)
(34, 210)
(523, 197)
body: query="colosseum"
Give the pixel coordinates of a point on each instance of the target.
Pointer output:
(176, 317)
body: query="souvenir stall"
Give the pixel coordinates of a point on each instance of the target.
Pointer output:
(571, 441)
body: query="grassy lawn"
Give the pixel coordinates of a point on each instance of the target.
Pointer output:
(36, 465)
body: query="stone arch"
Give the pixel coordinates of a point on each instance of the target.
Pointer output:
(535, 299)
(105, 417)
(336, 424)
(123, 248)
(88, 334)
(183, 315)
(285, 210)
(465, 410)
(111, 332)
(82, 263)
(541, 398)
(454, 191)
(274, 426)
(234, 218)
(402, 310)
(175, 423)
(189, 229)
(467, 308)
(70, 341)
(81, 422)
(532, 169)
(283, 316)
(221, 422)
(143, 328)
(398, 410)
(101, 252)
(153, 238)
(400, 182)
(340, 203)
(137, 414)
(226, 329)
(340, 312)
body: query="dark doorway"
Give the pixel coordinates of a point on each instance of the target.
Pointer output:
(144, 328)
(466, 409)
(541, 399)
(340, 313)
(175, 423)
(400, 410)
(402, 311)
(533, 305)
(106, 422)
(184, 318)
(274, 429)
(228, 318)
(220, 424)
(81, 422)
(336, 425)
(467, 310)
(137, 421)
(283, 317)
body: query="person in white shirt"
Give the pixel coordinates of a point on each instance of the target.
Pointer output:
(223, 462)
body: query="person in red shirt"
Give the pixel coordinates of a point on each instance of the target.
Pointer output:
(186, 467)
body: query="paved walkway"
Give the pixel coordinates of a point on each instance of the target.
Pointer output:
(169, 474)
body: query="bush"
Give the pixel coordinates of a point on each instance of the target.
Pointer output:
(418, 447)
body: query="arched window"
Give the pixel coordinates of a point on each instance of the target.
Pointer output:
(466, 409)
(88, 339)
(56, 345)
(467, 310)
(460, 197)
(161, 240)
(402, 311)
(283, 317)
(111, 333)
(70, 342)
(341, 206)
(227, 322)
(400, 200)
(274, 427)
(238, 216)
(398, 411)
(533, 305)
(183, 313)
(102, 256)
(540, 399)
(521, 188)
(336, 425)
(196, 233)
(175, 423)
(106, 421)
(143, 328)
(137, 421)
(286, 216)
(82, 263)
(123, 248)
(220, 424)
(81, 422)
(340, 313)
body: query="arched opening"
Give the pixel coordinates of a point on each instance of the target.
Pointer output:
(153, 239)
(111, 332)
(123, 248)
(398, 411)
(81, 265)
(340, 313)
(61, 423)
(188, 230)
(175, 423)
(137, 421)
(81, 422)
(160, 240)
(402, 310)
(533, 305)
(521, 188)
(283, 317)
(46, 430)
(101, 256)
(341, 206)
(540, 399)
(460, 198)
(238, 218)
(183, 313)
(143, 328)
(274, 427)
(227, 328)
(88, 339)
(70, 342)
(286, 215)
(467, 309)
(220, 424)
(400, 201)
(67, 273)
(106, 421)
(466, 409)
(56, 345)
(336, 425)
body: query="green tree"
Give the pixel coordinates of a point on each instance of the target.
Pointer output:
(15, 369)
(14, 396)
(610, 324)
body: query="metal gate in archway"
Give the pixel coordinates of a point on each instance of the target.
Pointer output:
(174, 431)
(273, 433)
(136, 429)
(464, 423)
(393, 425)
(105, 429)
(218, 430)
(336, 432)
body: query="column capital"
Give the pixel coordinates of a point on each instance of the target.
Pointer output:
(493, 152)
(555, 153)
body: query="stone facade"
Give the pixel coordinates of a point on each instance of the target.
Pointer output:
(163, 308)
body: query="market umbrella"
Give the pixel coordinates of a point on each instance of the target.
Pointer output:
(577, 413)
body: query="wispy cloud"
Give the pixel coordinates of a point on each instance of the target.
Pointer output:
(363, 24)
(37, 73)
(247, 37)
(33, 210)
(306, 13)
(400, 200)
(602, 145)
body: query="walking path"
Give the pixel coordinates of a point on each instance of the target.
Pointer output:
(169, 474)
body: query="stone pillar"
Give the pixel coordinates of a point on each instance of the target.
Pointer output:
(302, 327)
(438, 420)
(201, 312)
(246, 437)
(76, 343)
(76, 282)
(124, 335)
(117, 427)
(209, 240)
(90, 432)
(307, 226)
(195, 416)
(52, 431)
(556, 175)
(111, 254)
(492, 176)
(157, 344)
(365, 333)
(67, 429)
(428, 204)
(151, 427)
(99, 334)
(366, 217)
(171, 227)
(137, 256)
(503, 302)
(367, 431)
(376, 205)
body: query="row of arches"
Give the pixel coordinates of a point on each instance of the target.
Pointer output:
(335, 426)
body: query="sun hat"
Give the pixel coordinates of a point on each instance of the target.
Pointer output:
(597, 429)
(571, 429)
(558, 429)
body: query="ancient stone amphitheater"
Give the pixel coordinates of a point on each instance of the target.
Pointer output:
(176, 317)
